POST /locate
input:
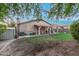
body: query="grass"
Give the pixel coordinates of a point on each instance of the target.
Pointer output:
(63, 36)
(54, 37)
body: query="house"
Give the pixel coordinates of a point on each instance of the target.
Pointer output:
(60, 28)
(55, 28)
(65, 28)
(37, 27)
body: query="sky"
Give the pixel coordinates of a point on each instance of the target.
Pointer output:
(66, 21)
(46, 6)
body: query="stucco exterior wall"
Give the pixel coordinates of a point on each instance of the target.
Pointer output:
(29, 27)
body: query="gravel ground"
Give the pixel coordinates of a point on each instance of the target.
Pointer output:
(23, 48)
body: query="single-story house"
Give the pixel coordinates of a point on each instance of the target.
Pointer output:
(37, 27)
(64, 28)
(60, 28)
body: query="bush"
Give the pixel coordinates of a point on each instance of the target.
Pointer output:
(74, 28)
(3, 28)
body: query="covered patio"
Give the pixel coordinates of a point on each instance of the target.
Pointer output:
(42, 29)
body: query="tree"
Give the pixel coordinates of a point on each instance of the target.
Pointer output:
(63, 10)
(75, 30)
(21, 9)
(67, 10)
(15, 10)
(3, 13)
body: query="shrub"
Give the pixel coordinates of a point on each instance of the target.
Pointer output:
(3, 28)
(74, 28)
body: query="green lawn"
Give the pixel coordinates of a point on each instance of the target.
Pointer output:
(63, 36)
(47, 38)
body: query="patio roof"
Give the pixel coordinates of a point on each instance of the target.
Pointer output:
(35, 20)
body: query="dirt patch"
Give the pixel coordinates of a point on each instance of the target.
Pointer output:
(54, 48)
(68, 48)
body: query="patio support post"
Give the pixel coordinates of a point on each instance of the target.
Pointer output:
(57, 29)
(50, 30)
(39, 30)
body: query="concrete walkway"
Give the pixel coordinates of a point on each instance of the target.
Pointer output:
(28, 36)
(20, 37)
(4, 44)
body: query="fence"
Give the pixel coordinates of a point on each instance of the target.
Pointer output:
(9, 34)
